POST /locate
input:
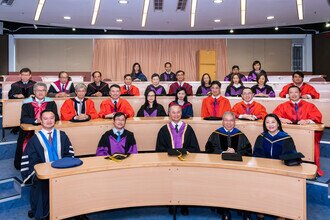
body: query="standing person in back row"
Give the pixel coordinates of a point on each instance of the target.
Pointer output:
(180, 75)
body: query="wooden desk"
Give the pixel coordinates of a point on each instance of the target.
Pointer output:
(86, 135)
(155, 179)
(11, 109)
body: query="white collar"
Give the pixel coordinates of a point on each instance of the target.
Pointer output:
(228, 130)
(115, 130)
(248, 102)
(296, 101)
(180, 123)
(76, 98)
(216, 96)
(45, 132)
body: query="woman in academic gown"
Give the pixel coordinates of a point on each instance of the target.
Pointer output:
(151, 108)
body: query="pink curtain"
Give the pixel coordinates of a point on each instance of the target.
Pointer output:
(115, 57)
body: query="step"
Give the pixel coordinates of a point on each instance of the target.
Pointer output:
(325, 149)
(7, 150)
(318, 192)
(8, 170)
(325, 166)
(10, 189)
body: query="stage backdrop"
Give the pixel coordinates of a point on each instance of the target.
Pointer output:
(115, 57)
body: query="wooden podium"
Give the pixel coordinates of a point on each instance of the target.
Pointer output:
(206, 60)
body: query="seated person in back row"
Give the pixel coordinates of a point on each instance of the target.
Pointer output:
(180, 84)
(63, 87)
(128, 89)
(30, 114)
(307, 91)
(235, 70)
(155, 86)
(151, 108)
(78, 108)
(118, 140)
(249, 109)
(261, 89)
(168, 75)
(97, 88)
(115, 104)
(47, 145)
(23, 88)
(205, 88)
(215, 105)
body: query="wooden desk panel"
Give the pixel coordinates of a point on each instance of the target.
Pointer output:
(156, 179)
(85, 136)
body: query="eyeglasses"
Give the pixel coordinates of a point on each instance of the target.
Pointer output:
(40, 90)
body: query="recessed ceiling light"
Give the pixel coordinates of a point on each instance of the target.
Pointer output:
(95, 11)
(231, 31)
(217, 20)
(73, 29)
(270, 17)
(105, 30)
(300, 9)
(243, 11)
(217, 1)
(145, 12)
(67, 17)
(276, 28)
(122, 1)
(39, 9)
(119, 20)
(193, 13)
(327, 24)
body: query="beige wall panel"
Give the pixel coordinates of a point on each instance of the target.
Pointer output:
(54, 54)
(274, 54)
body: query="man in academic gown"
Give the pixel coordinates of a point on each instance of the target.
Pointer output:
(63, 87)
(301, 112)
(215, 105)
(307, 91)
(97, 88)
(128, 88)
(180, 83)
(30, 114)
(176, 134)
(235, 70)
(78, 108)
(249, 109)
(228, 139)
(23, 88)
(47, 145)
(118, 140)
(168, 75)
(115, 104)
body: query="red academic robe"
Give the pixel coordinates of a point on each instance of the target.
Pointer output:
(305, 88)
(133, 90)
(175, 86)
(256, 109)
(107, 107)
(306, 110)
(222, 105)
(68, 110)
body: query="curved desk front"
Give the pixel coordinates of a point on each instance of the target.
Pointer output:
(153, 179)
(86, 135)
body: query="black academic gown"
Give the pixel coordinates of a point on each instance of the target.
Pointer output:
(93, 88)
(20, 88)
(28, 117)
(164, 143)
(220, 140)
(35, 154)
(160, 111)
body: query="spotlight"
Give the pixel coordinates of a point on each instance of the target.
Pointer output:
(231, 31)
(276, 28)
(327, 24)
(73, 29)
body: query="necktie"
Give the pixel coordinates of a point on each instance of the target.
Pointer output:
(215, 107)
(127, 88)
(296, 107)
(50, 139)
(177, 128)
(248, 109)
(115, 106)
(63, 89)
(80, 107)
(118, 136)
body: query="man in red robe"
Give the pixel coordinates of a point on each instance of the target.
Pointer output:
(129, 89)
(79, 108)
(301, 112)
(180, 83)
(307, 91)
(115, 104)
(249, 109)
(215, 105)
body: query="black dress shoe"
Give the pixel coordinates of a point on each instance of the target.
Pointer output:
(184, 211)
(226, 215)
(30, 214)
